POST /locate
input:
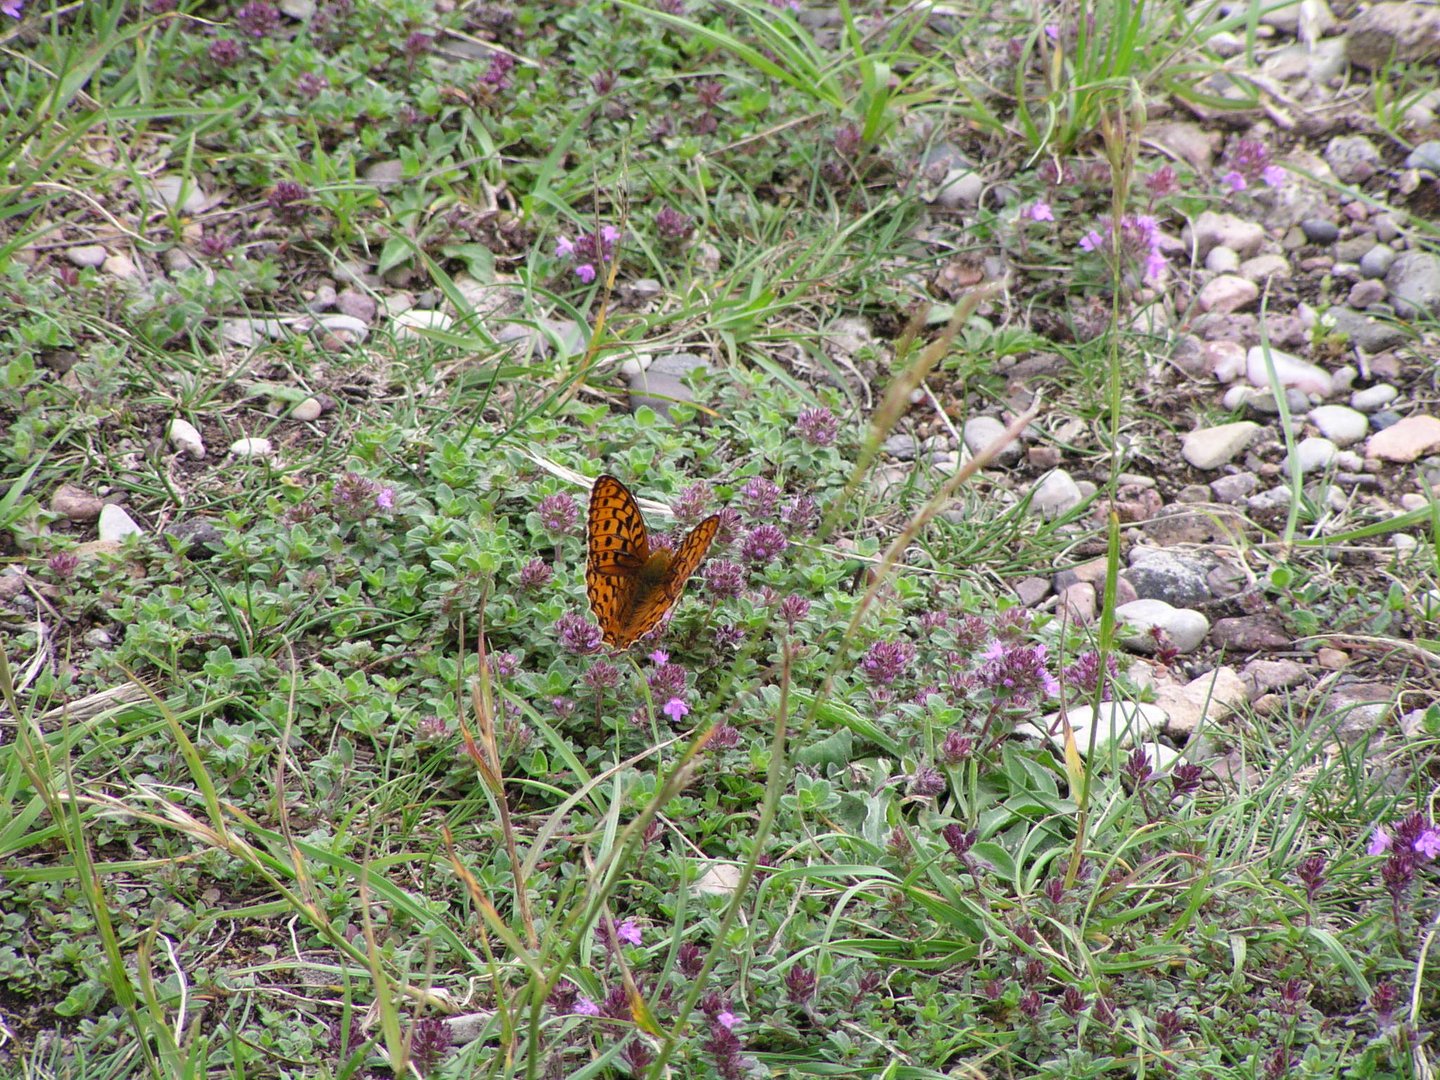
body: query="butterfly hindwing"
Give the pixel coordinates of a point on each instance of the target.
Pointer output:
(626, 597)
(653, 600)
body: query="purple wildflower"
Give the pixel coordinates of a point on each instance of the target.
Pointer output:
(257, 19)
(760, 497)
(793, 609)
(1162, 182)
(287, 201)
(676, 709)
(1311, 873)
(927, 782)
(723, 579)
(629, 932)
(311, 85)
(385, 499)
(429, 1039)
(1086, 673)
(558, 514)
(1249, 161)
(960, 841)
(1040, 211)
(672, 225)
(800, 983)
(562, 998)
(535, 575)
(956, 748)
(692, 504)
(585, 1007)
(225, 52)
(589, 250)
(723, 737)
(886, 661)
(1383, 1000)
(847, 141)
(577, 633)
(602, 675)
(1017, 672)
(763, 544)
(1185, 779)
(667, 680)
(417, 42)
(11, 7)
(63, 564)
(729, 636)
(689, 959)
(497, 75)
(801, 514)
(1379, 842)
(818, 427)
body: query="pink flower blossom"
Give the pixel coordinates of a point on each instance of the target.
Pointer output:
(676, 709)
(1379, 842)
(1429, 843)
(1040, 211)
(628, 932)
(585, 272)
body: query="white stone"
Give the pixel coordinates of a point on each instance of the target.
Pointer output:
(1056, 494)
(185, 438)
(416, 322)
(1373, 398)
(307, 410)
(1209, 448)
(1185, 628)
(981, 431)
(1127, 722)
(1340, 424)
(1313, 454)
(252, 448)
(345, 324)
(1227, 294)
(719, 879)
(1222, 260)
(1289, 370)
(1225, 359)
(116, 524)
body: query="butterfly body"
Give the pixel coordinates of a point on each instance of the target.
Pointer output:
(630, 585)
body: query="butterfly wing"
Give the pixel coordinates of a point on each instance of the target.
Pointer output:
(649, 604)
(617, 548)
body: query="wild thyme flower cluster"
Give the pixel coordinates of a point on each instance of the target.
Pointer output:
(558, 514)
(590, 252)
(1139, 241)
(672, 225)
(1414, 842)
(1250, 163)
(356, 497)
(818, 427)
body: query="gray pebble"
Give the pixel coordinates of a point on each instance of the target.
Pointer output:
(1425, 156)
(1319, 231)
(1376, 262)
(1384, 419)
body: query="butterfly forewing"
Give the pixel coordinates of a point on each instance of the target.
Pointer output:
(630, 594)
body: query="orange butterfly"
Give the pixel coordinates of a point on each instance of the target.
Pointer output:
(631, 587)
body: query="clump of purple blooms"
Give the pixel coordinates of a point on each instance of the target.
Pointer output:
(589, 251)
(818, 427)
(1139, 240)
(357, 497)
(1249, 162)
